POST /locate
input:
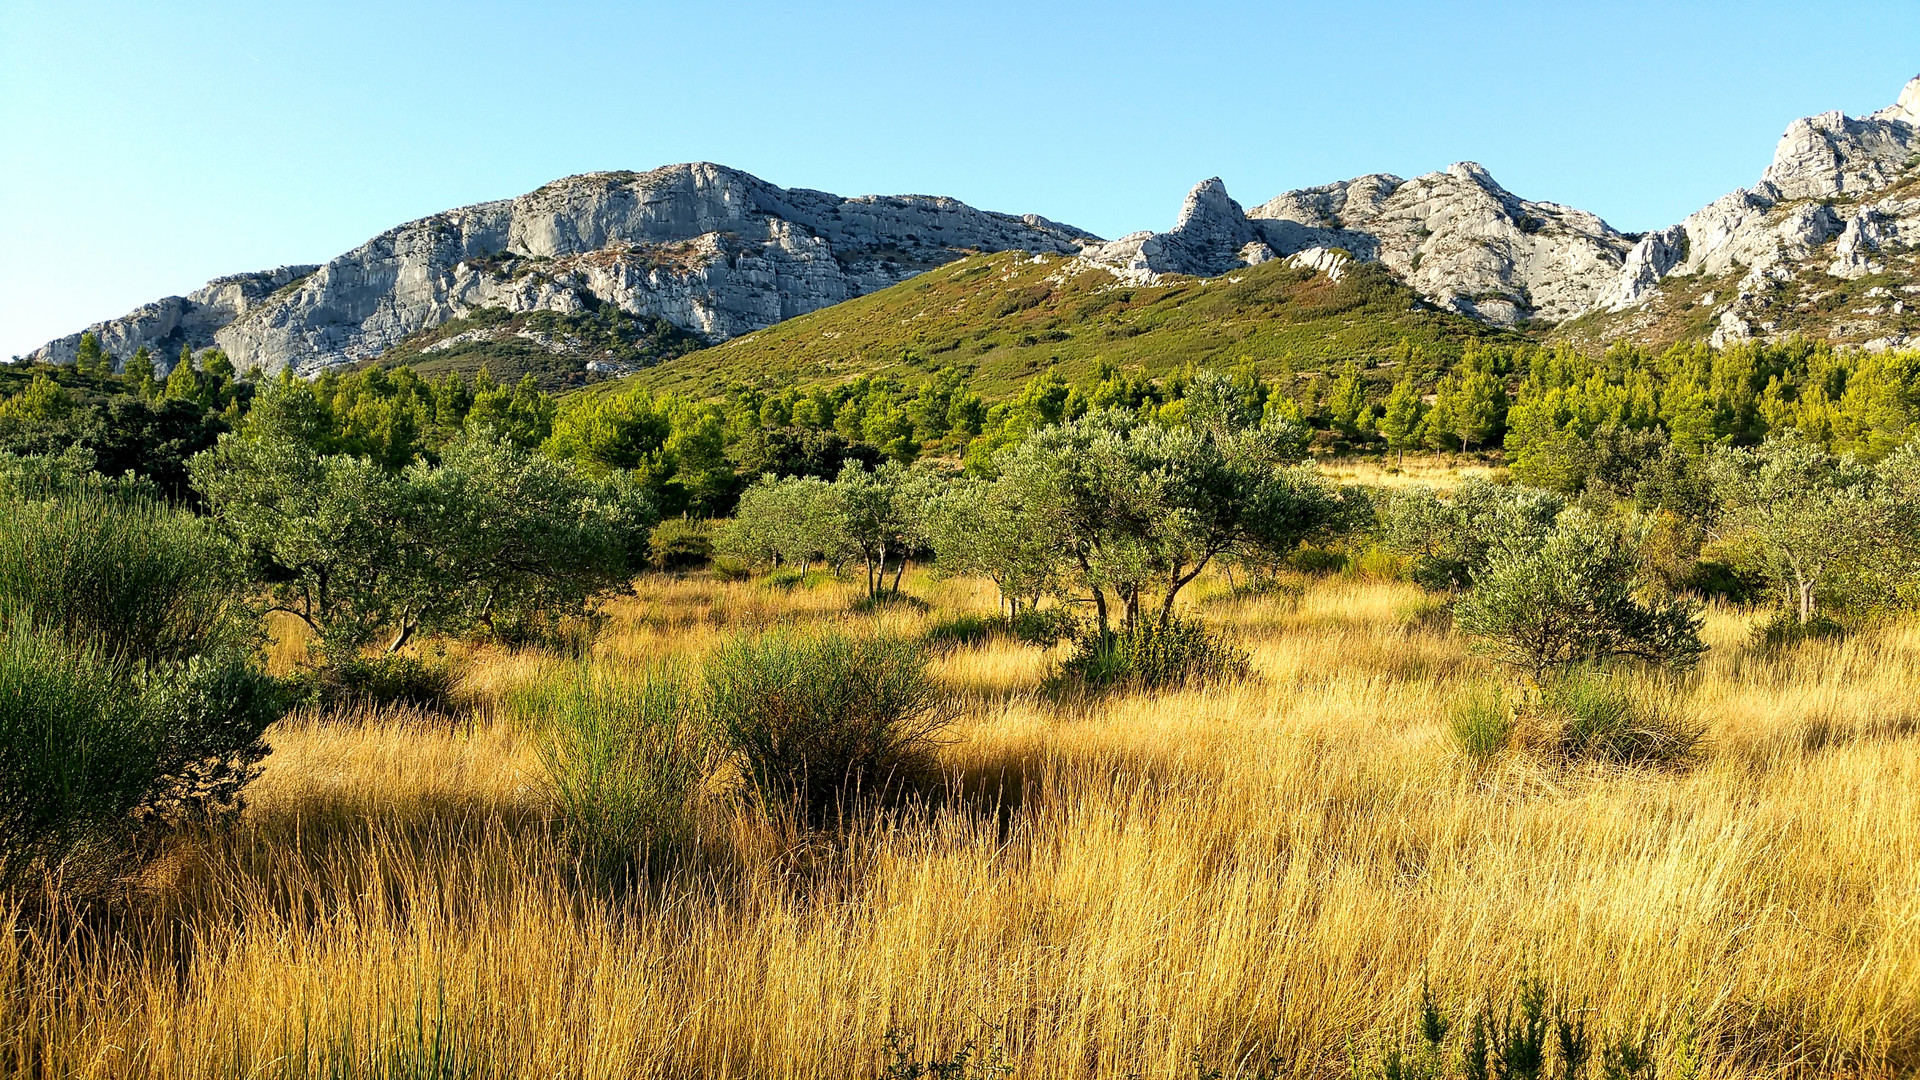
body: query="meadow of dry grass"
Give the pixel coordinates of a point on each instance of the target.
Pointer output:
(1140, 887)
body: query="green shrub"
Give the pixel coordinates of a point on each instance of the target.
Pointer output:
(1714, 579)
(819, 720)
(208, 716)
(1481, 722)
(76, 755)
(1152, 655)
(1784, 630)
(1313, 560)
(1593, 716)
(787, 577)
(388, 679)
(130, 690)
(680, 544)
(726, 568)
(1573, 597)
(1532, 1034)
(1045, 627)
(956, 631)
(626, 760)
(126, 575)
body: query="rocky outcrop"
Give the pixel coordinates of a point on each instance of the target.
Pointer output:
(169, 324)
(1812, 217)
(1457, 237)
(709, 249)
(1211, 237)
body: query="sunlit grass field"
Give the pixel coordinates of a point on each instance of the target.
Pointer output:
(1258, 879)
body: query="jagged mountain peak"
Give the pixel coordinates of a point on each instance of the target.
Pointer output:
(1840, 202)
(1456, 236)
(1906, 107)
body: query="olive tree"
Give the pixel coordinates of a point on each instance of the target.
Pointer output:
(883, 513)
(1448, 536)
(495, 538)
(786, 520)
(1570, 596)
(1811, 519)
(981, 527)
(1138, 510)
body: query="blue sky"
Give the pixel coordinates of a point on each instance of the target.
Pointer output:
(146, 147)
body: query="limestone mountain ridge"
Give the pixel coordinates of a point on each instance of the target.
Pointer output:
(1826, 244)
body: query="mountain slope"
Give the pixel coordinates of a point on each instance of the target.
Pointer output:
(1001, 318)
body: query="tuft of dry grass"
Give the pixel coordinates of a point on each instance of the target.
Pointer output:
(1106, 890)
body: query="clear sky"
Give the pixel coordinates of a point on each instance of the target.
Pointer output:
(146, 147)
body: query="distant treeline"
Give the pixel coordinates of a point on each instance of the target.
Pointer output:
(1565, 419)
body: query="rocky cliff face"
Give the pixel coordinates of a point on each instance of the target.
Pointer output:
(166, 325)
(1840, 204)
(1457, 237)
(709, 249)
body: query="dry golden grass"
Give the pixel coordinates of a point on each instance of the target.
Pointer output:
(1270, 869)
(1433, 470)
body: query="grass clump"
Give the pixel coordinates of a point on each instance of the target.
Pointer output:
(1481, 722)
(1536, 1034)
(128, 687)
(962, 630)
(1152, 655)
(626, 760)
(126, 575)
(1785, 630)
(819, 720)
(1595, 716)
(74, 749)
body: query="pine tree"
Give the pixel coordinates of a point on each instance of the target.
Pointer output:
(139, 372)
(1347, 403)
(1401, 422)
(1478, 408)
(183, 382)
(91, 359)
(1438, 430)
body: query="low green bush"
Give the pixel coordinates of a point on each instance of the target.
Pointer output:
(1318, 561)
(128, 684)
(1594, 716)
(1714, 579)
(91, 744)
(1784, 630)
(788, 577)
(680, 544)
(727, 568)
(124, 574)
(76, 756)
(1152, 655)
(1045, 627)
(819, 721)
(389, 679)
(957, 631)
(626, 760)
(1532, 1033)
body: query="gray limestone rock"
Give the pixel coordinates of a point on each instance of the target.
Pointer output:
(168, 324)
(1457, 237)
(710, 249)
(1807, 215)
